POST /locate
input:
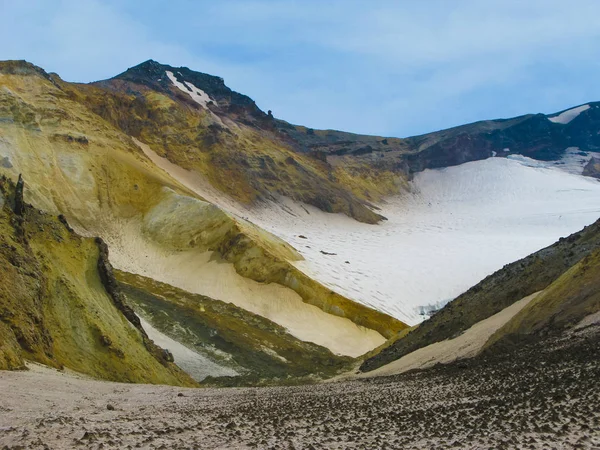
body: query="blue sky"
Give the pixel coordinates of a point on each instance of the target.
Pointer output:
(394, 68)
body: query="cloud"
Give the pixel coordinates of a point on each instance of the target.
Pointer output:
(86, 40)
(385, 67)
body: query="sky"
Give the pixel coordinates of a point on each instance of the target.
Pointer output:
(392, 68)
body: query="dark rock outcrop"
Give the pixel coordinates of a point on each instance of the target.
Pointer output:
(153, 74)
(111, 285)
(19, 202)
(592, 169)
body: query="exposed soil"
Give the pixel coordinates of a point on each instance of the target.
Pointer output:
(545, 396)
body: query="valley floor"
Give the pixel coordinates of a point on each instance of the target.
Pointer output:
(545, 396)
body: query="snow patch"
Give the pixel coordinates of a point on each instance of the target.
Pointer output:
(568, 115)
(196, 365)
(198, 95)
(573, 161)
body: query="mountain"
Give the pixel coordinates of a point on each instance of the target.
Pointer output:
(80, 165)
(539, 136)
(257, 250)
(371, 169)
(332, 170)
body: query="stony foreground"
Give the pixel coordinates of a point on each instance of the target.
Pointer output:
(546, 396)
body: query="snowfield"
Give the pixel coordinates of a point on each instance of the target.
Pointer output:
(459, 225)
(566, 116)
(456, 226)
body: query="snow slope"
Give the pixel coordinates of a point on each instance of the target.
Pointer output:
(566, 116)
(198, 95)
(458, 225)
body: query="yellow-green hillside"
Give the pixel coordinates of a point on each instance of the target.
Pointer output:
(257, 348)
(563, 304)
(55, 309)
(79, 160)
(246, 163)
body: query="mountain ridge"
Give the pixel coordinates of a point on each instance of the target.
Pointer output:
(307, 140)
(161, 163)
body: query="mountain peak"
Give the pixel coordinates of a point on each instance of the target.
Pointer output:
(21, 67)
(159, 76)
(151, 72)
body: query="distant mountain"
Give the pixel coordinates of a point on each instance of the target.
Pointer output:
(538, 136)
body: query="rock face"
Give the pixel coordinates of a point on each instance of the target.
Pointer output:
(153, 74)
(592, 169)
(19, 203)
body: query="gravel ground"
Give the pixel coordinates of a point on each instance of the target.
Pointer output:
(545, 396)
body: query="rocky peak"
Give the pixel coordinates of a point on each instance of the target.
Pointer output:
(154, 75)
(22, 67)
